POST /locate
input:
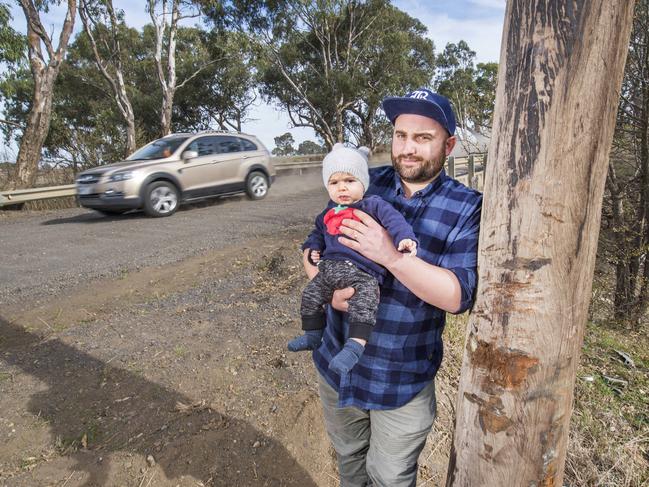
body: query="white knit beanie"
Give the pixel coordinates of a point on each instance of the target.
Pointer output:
(349, 160)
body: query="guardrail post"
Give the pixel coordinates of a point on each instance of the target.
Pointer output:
(451, 166)
(471, 172)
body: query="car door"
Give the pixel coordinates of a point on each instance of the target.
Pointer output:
(230, 159)
(200, 174)
(252, 154)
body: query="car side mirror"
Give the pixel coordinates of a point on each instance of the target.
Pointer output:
(189, 154)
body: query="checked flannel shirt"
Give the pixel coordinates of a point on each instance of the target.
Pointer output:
(405, 348)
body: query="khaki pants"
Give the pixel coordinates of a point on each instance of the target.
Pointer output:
(378, 448)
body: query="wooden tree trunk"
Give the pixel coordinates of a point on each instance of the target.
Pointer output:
(38, 125)
(44, 74)
(167, 111)
(561, 69)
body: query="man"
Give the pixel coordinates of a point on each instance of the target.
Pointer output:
(379, 415)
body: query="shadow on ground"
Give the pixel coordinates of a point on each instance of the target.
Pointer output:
(110, 410)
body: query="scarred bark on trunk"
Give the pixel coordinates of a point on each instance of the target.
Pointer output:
(38, 125)
(561, 69)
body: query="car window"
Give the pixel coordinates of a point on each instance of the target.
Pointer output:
(226, 144)
(247, 145)
(204, 146)
(160, 148)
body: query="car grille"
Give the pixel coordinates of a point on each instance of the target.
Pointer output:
(89, 178)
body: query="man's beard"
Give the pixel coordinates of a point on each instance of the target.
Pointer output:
(426, 170)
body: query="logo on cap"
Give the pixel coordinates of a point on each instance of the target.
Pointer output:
(419, 95)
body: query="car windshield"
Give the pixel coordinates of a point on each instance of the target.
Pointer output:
(159, 149)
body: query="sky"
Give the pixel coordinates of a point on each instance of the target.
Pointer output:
(478, 22)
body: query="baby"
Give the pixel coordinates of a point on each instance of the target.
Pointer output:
(346, 177)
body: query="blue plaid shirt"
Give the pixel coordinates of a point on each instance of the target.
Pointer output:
(405, 348)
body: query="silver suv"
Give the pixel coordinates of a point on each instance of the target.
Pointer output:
(179, 168)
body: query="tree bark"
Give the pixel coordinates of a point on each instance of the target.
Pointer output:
(561, 69)
(44, 73)
(168, 89)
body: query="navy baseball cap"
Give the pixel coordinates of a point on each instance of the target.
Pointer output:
(422, 102)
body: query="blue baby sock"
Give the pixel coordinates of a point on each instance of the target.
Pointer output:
(345, 360)
(309, 341)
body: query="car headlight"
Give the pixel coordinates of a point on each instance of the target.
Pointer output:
(121, 176)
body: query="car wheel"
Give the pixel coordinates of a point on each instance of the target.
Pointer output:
(111, 212)
(256, 185)
(161, 199)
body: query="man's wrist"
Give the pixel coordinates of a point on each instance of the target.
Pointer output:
(394, 261)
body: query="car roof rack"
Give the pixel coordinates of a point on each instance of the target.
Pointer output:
(209, 131)
(214, 131)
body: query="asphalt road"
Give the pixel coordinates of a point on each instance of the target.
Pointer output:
(43, 253)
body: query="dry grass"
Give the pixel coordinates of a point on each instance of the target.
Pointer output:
(609, 435)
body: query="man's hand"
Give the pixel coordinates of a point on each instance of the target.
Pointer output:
(341, 298)
(369, 239)
(408, 245)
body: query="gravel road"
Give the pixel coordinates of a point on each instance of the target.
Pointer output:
(43, 253)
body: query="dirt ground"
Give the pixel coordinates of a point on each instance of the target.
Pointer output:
(133, 382)
(169, 374)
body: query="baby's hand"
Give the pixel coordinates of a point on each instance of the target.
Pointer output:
(315, 256)
(408, 245)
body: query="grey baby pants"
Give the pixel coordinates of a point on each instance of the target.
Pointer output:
(339, 274)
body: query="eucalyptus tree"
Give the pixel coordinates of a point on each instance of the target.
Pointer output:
(87, 126)
(104, 27)
(45, 60)
(554, 121)
(470, 87)
(396, 58)
(165, 16)
(328, 64)
(222, 94)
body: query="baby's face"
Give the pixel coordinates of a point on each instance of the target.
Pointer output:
(344, 188)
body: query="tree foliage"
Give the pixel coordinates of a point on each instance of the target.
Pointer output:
(328, 64)
(309, 147)
(12, 43)
(87, 126)
(470, 87)
(284, 145)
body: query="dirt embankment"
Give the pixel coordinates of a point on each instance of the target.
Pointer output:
(167, 376)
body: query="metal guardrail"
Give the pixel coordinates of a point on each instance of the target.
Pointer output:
(23, 195)
(468, 170)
